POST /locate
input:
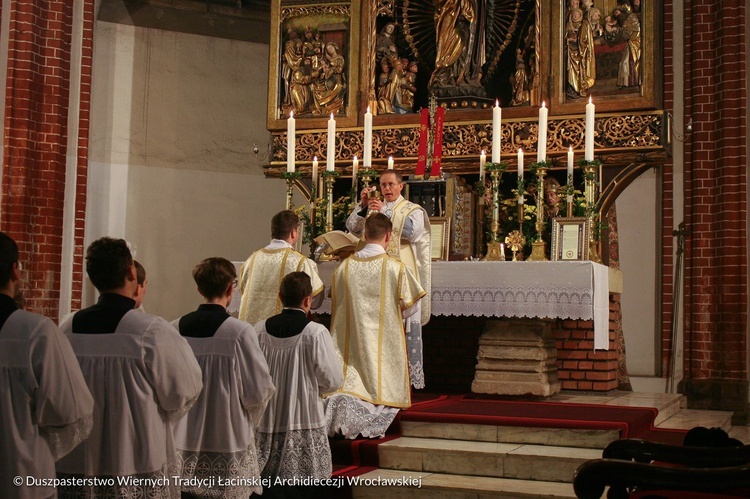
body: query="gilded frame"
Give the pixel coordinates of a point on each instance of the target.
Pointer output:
(570, 239)
(282, 12)
(648, 96)
(440, 230)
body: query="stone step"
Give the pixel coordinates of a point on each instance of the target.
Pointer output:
(445, 486)
(563, 437)
(690, 418)
(488, 459)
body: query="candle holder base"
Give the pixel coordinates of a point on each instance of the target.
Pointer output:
(495, 253)
(594, 252)
(537, 252)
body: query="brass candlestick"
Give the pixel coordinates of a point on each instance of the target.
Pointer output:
(537, 246)
(590, 169)
(494, 250)
(290, 178)
(330, 179)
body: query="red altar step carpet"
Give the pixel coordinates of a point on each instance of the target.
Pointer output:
(353, 457)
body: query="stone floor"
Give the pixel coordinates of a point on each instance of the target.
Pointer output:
(461, 461)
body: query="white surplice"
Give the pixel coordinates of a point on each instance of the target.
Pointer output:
(45, 405)
(217, 437)
(292, 437)
(144, 378)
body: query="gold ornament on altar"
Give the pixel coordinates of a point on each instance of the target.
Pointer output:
(515, 241)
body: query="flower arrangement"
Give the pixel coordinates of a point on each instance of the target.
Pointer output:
(341, 209)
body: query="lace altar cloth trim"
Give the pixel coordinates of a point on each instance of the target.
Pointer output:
(295, 454)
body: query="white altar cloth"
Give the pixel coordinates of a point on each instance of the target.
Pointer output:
(565, 290)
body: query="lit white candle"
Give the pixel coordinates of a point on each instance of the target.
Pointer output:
(497, 114)
(355, 169)
(570, 173)
(570, 163)
(541, 147)
(520, 176)
(482, 161)
(331, 154)
(315, 172)
(589, 137)
(368, 140)
(390, 162)
(290, 130)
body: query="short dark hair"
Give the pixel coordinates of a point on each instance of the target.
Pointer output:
(213, 276)
(399, 177)
(295, 287)
(107, 263)
(377, 226)
(8, 257)
(282, 224)
(140, 272)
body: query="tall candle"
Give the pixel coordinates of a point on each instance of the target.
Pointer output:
(520, 176)
(497, 114)
(355, 169)
(290, 130)
(331, 154)
(589, 137)
(541, 147)
(390, 162)
(482, 161)
(315, 172)
(368, 140)
(570, 174)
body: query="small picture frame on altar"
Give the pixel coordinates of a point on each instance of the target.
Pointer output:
(301, 231)
(440, 234)
(570, 239)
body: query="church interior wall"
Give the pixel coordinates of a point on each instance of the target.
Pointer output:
(172, 169)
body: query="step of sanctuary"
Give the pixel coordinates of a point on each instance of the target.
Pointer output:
(439, 460)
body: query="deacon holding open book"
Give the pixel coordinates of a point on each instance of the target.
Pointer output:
(261, 274)
(372, 293)
(410, 244)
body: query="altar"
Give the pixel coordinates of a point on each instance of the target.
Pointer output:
(540, 321)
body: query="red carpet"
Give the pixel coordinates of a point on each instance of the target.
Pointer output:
(360, 456)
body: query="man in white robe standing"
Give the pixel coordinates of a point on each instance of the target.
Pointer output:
(372, 293)
(410, 243)
(45, 405)
(143, 377)
(216, 440)
(261, 274)
(292, 438)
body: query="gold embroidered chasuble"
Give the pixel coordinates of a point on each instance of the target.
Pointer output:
(260, 278)
(369, 295)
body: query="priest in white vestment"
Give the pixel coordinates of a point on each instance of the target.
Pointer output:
(292, 438)
(45, 405)
(143, 377)
(261, 274)
(409, 243)
(372, 293)
(216, 440)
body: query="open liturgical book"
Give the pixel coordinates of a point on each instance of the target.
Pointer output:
(338, 242)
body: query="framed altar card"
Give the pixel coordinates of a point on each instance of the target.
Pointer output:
(570, 239)
(440, 229)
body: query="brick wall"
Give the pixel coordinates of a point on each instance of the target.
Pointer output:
(715, 191)
(35, 140)
(667, 202)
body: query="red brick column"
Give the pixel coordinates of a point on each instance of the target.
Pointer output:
(579, 366)
(715, 205)
(35, 141)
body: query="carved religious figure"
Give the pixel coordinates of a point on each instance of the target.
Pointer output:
(460, 51)
(520, 81)
(628, 30)
(330, 89)
(291, 60)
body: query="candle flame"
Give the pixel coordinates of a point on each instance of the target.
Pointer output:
(497, 102)
(589, 99)
(368, 109)
(543, 104)
(355, 158)
(291, 114)
(331, 115)
(571, 148)
(315, 158)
